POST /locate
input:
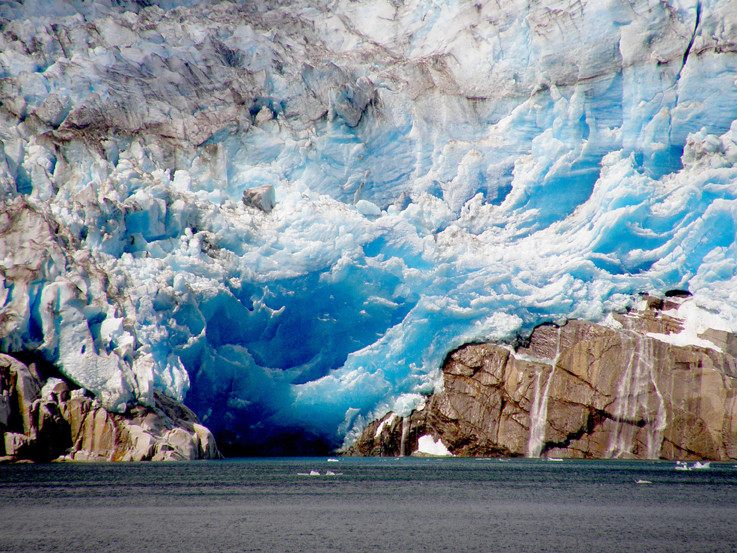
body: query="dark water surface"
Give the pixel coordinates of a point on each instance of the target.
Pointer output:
(371, 505)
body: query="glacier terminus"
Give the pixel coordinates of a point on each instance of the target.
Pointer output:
(288, 213)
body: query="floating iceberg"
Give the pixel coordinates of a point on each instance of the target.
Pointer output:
(289, 215)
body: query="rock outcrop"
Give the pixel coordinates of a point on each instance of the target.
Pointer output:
(46, 418)
(646, 385)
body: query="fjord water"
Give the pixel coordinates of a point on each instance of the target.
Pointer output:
(377, 505)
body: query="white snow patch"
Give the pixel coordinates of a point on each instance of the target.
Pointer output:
(47, 390)
(684, 338)
(696, 320)
(384, 423)
(428, 446)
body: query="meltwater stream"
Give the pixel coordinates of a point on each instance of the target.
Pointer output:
(368, 504)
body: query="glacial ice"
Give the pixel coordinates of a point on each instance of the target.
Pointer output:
(416, 176)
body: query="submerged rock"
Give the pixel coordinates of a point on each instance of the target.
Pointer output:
(648, 384)
(45, 418)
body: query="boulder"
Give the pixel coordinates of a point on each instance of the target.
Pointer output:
(260, 197)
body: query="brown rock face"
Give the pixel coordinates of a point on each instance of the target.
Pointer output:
(43, 419)
(581, 390)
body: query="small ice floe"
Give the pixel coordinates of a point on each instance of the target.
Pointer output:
(698, 465)
(317, 473)
(641, 481)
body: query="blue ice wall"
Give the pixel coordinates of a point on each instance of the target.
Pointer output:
(442, 173)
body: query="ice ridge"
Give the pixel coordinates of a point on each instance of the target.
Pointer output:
(288, 214)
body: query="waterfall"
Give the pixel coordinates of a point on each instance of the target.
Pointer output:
(539, 407)
(654, 431)
(403, 442)
(617, 439)
(632, 403)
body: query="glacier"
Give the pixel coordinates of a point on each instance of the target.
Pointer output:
(288, 213)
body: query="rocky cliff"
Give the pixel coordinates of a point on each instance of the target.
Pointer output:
(44, 417)
(648, 384)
